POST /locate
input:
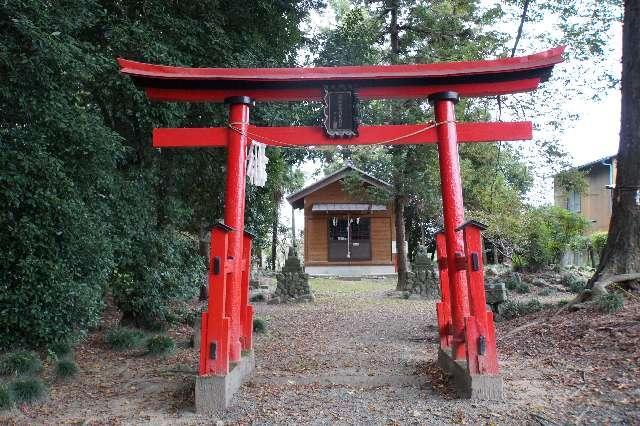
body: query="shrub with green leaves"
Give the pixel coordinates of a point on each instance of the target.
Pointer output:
(124, 338)
(546, 233)
(27, 390)
(160, 345)
(61, 349)
(6, 400)
(65, 368)
(259, 326)
(20, 362)
(609, 303)
(598, 241)
(511, 309)
(164, 268)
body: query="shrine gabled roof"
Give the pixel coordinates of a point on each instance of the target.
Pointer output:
(297, 198)
(468, 78)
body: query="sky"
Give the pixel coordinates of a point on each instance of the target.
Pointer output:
(594, 135)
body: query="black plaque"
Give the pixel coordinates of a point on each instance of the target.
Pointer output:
(340, 115)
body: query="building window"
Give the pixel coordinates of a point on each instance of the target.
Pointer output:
(574, 202)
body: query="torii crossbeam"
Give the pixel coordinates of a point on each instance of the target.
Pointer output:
(466, 329)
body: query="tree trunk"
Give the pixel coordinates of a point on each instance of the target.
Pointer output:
(398, 153)
(621, 254)
(274, 240)
(401, 250)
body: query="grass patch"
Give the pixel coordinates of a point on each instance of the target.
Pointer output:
(27, 390)
(609, 303)
(259, 326)
(123, 338)
(6, 401)
(66, 369)
(160, 345)
(20, 362)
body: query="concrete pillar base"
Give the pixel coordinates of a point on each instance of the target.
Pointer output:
(481, 387)
(214, 393)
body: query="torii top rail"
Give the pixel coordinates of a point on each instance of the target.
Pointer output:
(466, 329)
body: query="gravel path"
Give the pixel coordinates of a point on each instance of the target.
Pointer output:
(353, 356)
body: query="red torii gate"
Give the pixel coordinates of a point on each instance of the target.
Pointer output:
(466, 329)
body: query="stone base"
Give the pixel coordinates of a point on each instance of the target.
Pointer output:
(481, 387)
(214, 393)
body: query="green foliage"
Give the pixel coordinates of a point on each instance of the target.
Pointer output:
(577, 286)
(609, 303)
(60, 349)
(27, 389)
(574, 284)
(167, 269)
(259, 326)
(87, 202)
(572, 180)
(120, 339)
(519, 262)
(511, 309)
(522, 288)
(160, 345)
(546, 232)
(66, 368)
(515, 283)
(20, 362)
(6, 400)
(598, 241)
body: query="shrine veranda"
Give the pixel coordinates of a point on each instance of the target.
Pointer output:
(467, 341)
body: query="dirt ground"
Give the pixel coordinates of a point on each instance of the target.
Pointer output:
(356, 356)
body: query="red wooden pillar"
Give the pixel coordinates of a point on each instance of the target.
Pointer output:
(214, 331)
(246, 310)
(453, 211)
(234, 213)
(482, 357)
(443, 308)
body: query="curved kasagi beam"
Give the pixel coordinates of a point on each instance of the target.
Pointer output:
(469, 79)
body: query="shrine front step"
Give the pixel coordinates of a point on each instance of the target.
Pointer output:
(472, 386)
(214, 393)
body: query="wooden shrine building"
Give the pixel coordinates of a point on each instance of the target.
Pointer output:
(345, 233)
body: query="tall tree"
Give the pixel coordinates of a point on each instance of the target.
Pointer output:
(621, 256)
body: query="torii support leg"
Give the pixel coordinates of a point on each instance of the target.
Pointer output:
(453, 211)
(226, 328)
(467, 337)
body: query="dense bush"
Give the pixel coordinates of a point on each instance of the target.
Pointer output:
(86, 201)
(164, 267)
(598, 241)
(20, 362)
(160, 345)
(546, 233)
(120, 339)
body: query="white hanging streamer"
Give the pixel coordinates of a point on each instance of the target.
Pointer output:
(257, 164)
